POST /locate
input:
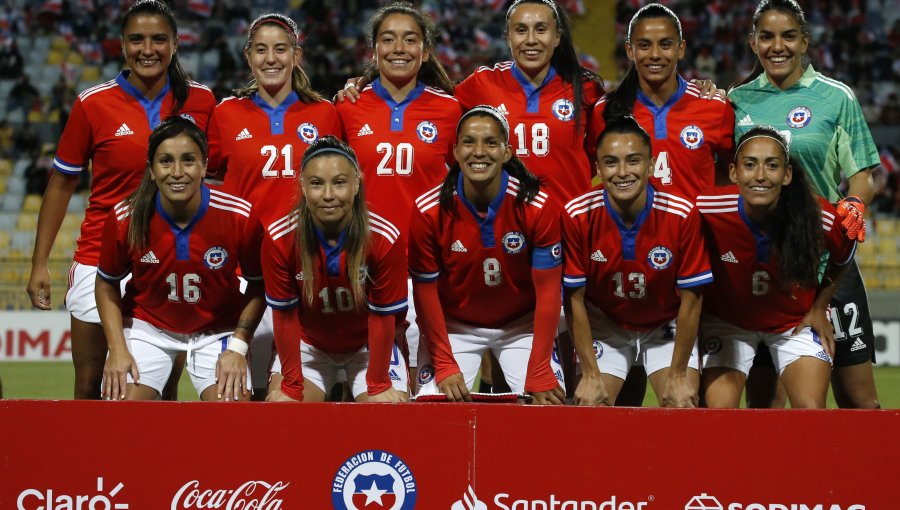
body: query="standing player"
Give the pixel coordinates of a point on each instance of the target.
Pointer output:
(336, 278)
(691, 136)
(765, 243)
(485, 257)
(258, 138)
(182, 243)
(634, 262)
(109, 124)
(826, 133)
(402, 127)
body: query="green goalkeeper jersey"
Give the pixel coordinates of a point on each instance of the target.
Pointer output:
(822, 121)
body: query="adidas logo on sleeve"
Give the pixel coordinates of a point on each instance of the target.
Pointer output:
(597, 256)
(365, 130)
(124, 130)
(729, 257)
(458, 247)
(150, 258)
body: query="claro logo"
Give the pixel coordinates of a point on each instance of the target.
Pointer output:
(253, 495)
(33, 499)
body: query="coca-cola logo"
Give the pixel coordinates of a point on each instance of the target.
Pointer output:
(252, 495)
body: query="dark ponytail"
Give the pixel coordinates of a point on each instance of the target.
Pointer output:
(178, 78)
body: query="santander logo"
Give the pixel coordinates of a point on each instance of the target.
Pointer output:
(252, 495)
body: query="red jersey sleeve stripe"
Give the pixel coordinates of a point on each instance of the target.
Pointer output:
(389, 309)
(282, 304)
(67, 168)
(225, 197)
(217, 205)
(381, 222)
(695, 280)
(111, 278)
(574, 281)
(424, 277)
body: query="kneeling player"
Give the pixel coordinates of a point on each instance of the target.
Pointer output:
(485, 258)
(634, 262)
(336, 281)
(765, 240)
(182, 243)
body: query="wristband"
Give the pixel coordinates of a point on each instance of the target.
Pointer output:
(237, 345)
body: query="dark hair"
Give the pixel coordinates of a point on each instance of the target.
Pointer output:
(789, 7)
(564, 59)
(299, 80)
(178, 78)
(796, 223)
(142, 204)
(357, 240)
(622, 126)
(529, 184)
(621, 100)
(432, 72)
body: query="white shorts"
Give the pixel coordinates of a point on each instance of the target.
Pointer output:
(618, 349)
(262, 350)
(154, 351)
(726, 345)
(80, 300)
(511, 344)
(325, 369)
(412, 332)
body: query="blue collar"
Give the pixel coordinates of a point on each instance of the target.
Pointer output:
(629, 235)
(183, 235)
(397, 109)
(486, 224)
(661, 112)
(763, 241)
(532, 93)
(276, 113)
(332, 253)
(151, 107)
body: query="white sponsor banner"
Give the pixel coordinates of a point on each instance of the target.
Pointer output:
(35, 336)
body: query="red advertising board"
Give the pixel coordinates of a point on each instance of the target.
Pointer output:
(171, 456)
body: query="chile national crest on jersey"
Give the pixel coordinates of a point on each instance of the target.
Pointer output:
(660, 257)
(799, 117)
(427, 132)
(513, 242)
(215, 257)
(563, 109)
(692, 137)
(373, 479)
(308, 132)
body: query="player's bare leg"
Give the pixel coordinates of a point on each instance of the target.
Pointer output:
(312, 393)
(806, 382)
(140, 392)
(88, 356)
(721, 387)
(780, 399)
(170, 390)
(274, 383)
(658, 381)
(634, 388)
(854, 387)
(612, 384)
(209, 395)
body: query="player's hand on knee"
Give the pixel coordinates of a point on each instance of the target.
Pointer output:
(454, 386)
(231, 376)
(276, 395)
(554, 397)
(679, 392)
(389, 395)
(118, 365)
(591, 391)
(818, 320)
(350, 92)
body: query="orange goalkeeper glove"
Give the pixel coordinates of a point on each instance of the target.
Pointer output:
(852, 211)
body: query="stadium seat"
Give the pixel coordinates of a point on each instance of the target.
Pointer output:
(90, 73)
(27, 219)
(32, 203)
(5, 166)
(55, 57)
(2, 184)
(887, 227)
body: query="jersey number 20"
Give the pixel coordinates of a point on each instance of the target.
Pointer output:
(402, 156)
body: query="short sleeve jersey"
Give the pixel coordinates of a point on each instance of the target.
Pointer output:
(403, 148)
(542, 123)
(748, 291)
(332, 322)
(822, 121)
(687, 132)
(633, 274)
(107, 134)
(255, 150)
(483, 264)
(184, 280)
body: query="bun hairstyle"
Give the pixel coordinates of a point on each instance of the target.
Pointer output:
(625, 124)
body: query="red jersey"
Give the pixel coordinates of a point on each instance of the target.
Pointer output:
(255, 150)
(483, 265)
(401, 156)
(184, 280)
(332, 322)
(542, 120)
(748, 291)
(108, 132)
(632, 274)
(687, 132)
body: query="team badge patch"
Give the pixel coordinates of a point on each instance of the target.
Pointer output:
(563, 109)
(659, 257)
(427, 132)
(556, 251)
(426, 374)
(513, 242)
(692, 137)
(598, 349)
(188, 116)
(373, 479)
(799, 117)
(308, 132)
(712, 345)
(215, 257)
